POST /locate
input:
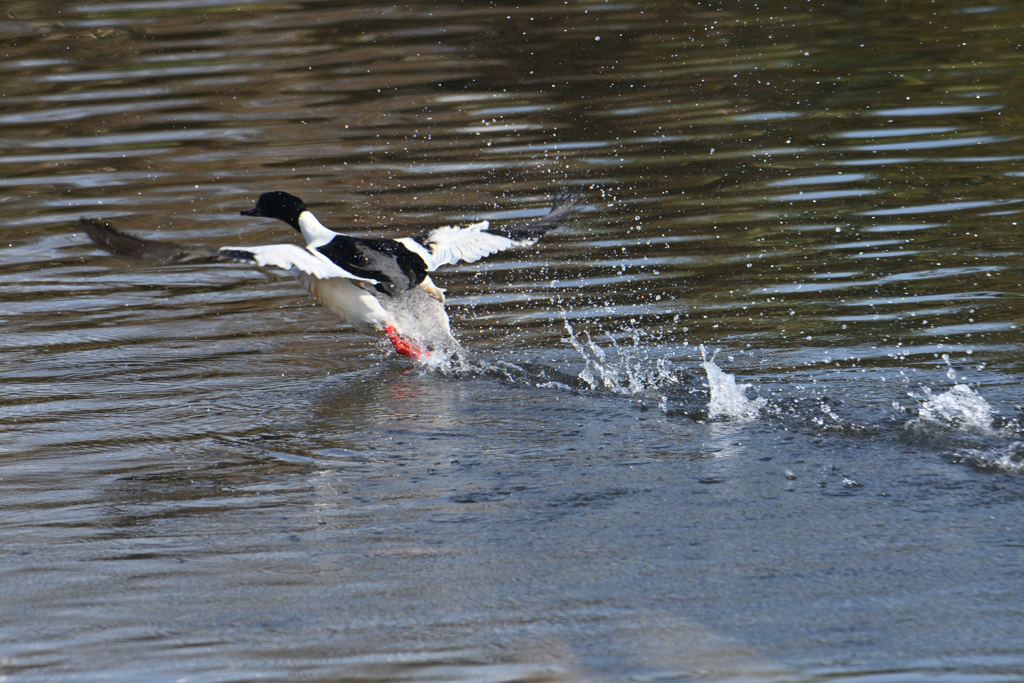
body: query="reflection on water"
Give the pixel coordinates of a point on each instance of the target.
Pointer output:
(203, 474)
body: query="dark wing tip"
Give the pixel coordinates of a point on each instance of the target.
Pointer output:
(151, 251)
(240, 255)
(111, 240)
(566, 196)
(565, 202)
(99, 232)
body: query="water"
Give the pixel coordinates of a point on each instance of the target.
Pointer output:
(754, 415)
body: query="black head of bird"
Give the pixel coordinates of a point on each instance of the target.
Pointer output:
(280, 205)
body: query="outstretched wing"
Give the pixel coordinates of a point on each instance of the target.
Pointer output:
(449, 245)
(287, 257)
(284, 256)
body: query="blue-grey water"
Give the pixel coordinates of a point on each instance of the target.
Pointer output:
(205, 477)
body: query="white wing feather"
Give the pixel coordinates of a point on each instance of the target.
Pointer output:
(450, 244)
(289, 256)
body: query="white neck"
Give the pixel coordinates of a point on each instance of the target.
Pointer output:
(316, 234)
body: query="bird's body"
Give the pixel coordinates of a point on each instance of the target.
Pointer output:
(374, 285)
(360, 308)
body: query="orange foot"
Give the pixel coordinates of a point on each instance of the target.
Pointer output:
(404, 346)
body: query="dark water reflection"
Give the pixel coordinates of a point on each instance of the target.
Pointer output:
(204, 477)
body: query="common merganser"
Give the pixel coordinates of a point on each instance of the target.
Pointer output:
(374, 285)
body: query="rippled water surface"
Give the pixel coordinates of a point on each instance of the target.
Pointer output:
(755, 414)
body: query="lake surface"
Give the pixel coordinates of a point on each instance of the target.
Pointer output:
(205, 477)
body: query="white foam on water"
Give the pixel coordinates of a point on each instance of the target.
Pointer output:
(728, 399)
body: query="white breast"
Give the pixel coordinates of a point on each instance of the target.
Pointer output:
(354, 305)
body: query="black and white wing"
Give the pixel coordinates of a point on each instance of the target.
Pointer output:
(289, 257)
(283, 256)
(449, 245)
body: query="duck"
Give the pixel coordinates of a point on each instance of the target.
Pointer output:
(375, 285)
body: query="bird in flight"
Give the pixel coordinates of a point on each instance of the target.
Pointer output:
(375, 285)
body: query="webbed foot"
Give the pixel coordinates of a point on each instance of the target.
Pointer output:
(404, 346)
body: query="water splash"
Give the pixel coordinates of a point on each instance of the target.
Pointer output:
(960, 408)
(627, 371)
(628, 368)
(422, 319)
(728, 401)
(1009, 458)
(964, 410)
